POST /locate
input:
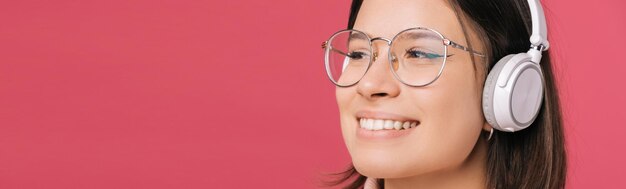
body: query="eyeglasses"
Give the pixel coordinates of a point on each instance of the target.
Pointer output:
(417, 56)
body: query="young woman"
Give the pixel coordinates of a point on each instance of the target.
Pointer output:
(413, 104)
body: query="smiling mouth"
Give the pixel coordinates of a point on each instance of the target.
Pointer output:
(382, 124)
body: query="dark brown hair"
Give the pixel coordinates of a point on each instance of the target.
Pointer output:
(532, 158)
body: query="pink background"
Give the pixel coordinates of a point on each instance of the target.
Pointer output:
(233, 94)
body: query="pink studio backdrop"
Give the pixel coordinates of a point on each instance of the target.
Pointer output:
(233, 94)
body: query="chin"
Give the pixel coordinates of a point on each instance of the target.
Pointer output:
(384, 166)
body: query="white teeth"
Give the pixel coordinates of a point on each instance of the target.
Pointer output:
(369, 124)
(388, 124)
(379, 124)
(397, 125)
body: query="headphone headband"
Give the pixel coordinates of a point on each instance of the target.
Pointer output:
(539, 36)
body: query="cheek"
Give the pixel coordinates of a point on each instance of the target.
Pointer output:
(457, 95)
(452, 117)
(345, 97)
(454, 100)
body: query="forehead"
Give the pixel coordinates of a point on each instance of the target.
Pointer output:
(384, 18)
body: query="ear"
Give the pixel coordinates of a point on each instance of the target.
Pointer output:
(487, 127)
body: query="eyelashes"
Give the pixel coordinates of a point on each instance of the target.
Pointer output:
(409, 54)
(415, 53)
(356, 55)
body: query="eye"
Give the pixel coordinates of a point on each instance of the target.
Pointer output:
(416, 53)
(356, 55)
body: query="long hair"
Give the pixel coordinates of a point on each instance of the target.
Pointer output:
(531, 158)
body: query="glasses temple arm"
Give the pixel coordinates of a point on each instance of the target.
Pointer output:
(340, 52)
(456, 45)
(325, 45)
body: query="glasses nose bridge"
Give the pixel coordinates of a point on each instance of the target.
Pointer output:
(382, 39)
(388, 41)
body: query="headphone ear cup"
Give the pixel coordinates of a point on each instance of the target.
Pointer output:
(489, 89)
(513, 93)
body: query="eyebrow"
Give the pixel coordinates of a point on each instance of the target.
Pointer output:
(419, 35)
(446, 41)
(415, 35)
(358, 36)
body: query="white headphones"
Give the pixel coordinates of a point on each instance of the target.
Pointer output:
(513, 90)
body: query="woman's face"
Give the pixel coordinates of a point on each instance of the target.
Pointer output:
(447, 113)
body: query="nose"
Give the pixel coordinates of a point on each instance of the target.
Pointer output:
(379, 82)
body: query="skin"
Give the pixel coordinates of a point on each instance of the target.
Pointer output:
(445, 150)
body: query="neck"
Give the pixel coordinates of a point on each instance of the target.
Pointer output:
(470, 174)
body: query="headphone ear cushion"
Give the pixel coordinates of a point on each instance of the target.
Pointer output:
(489, 89)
